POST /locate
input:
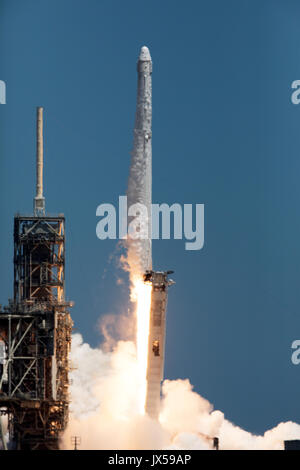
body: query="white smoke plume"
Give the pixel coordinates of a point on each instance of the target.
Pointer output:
(104, 409)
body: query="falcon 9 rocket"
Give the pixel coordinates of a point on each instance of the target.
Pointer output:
(140, 249)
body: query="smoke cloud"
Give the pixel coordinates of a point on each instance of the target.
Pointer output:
(104, 409)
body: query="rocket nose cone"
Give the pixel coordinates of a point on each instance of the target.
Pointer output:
(144, 54)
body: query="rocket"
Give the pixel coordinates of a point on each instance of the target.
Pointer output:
(140, 250)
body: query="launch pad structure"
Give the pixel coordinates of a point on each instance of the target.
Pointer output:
(35, 328)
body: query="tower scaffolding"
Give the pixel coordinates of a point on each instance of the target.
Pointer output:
(36, 326)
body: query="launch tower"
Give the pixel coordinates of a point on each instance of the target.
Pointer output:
(35, 328)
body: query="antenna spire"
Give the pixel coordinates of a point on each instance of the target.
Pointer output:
(39, 200)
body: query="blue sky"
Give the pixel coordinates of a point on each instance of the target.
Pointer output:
(225, 134)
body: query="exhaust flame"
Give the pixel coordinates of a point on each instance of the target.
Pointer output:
(142, 293)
